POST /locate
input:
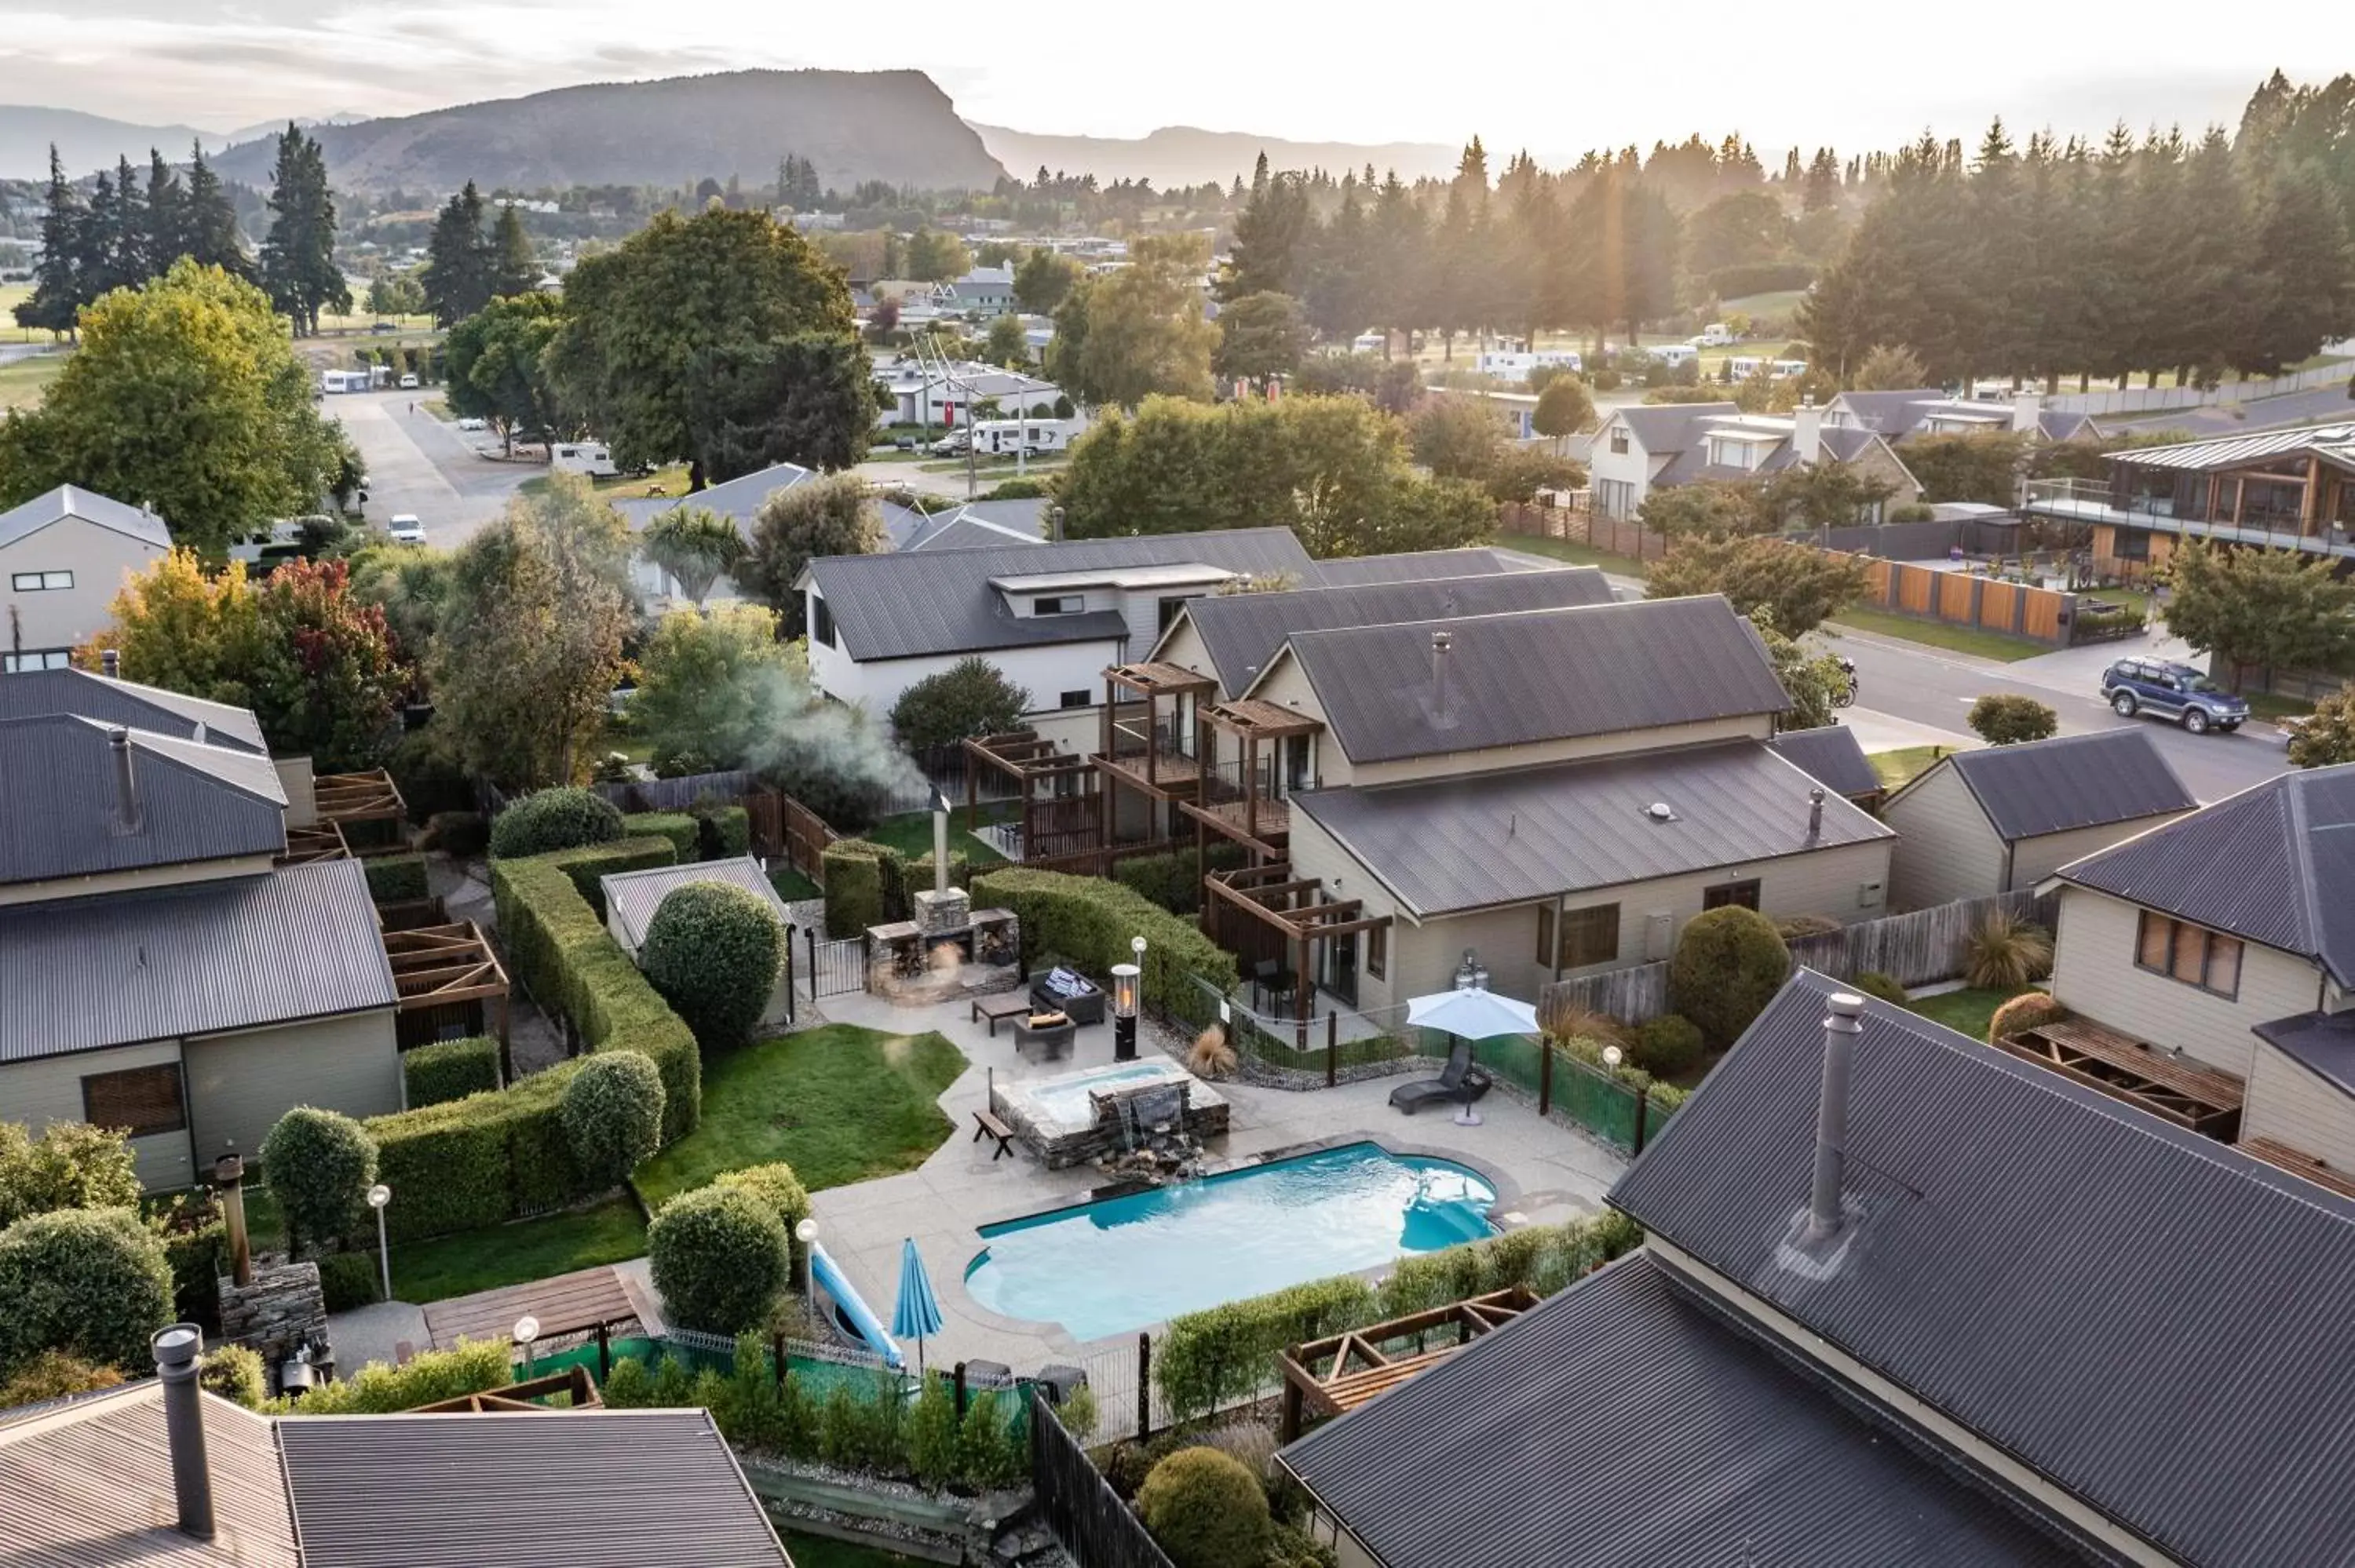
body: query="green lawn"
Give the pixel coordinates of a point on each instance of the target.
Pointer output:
(1896, 767)
(1781, 302)
(1943, 634)
(23, 381)
(510, 1254)
(820, 1551)
(912, 835)
(1564, 550)
(669, 480)
(1966, 1012)
(839, 1104)
(791, 884)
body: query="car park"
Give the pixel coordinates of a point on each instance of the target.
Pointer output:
(2166, 689)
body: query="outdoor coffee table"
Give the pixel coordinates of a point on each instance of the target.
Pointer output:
(1003, 1005)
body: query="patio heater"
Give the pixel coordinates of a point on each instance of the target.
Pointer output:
(1124, 979)
(378, 1197)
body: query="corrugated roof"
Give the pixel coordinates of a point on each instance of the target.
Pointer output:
(1832, 756)
(2153, 1320)
(2322, 1042)
(738, 499)
(2233, 451)
(196, 802)
(2069, 781)
(2273, 865)
(38, 692)
(1890, 414)
(606, 1488)
(633, 896)
(1625, 1424)
(1538, 675)
(71, 501)
(915, 602)
(1664, 428)
(196, 958)
(1535, 832)
(1243, 631)
(1407, 565)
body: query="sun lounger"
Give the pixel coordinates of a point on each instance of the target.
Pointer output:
(1461, 1083)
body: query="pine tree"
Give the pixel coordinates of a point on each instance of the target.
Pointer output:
(1265, 255)
(59, 289)
(514, 265)
(298, 257)
(101, 266)
(213, 237)
(2302, 294)
(1400, 249)
(131, 244)
(167, 214)
(457, 262)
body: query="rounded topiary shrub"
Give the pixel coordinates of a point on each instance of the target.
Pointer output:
(1207, 1510)
(319, 1164)
(712, 951)
(612, 1112)
(1879, 985)
(554, 820)
(2029, 1010)
(1668, 1045)
(92, 1282)
(1728, 964)
(2009, 718)
(234, 1373)
(777, 1187)
(720, 1259)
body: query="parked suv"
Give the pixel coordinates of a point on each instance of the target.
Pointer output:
(2178, 691)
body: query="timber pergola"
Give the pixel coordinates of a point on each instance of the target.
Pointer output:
(435, 967)
(1070, 807)
(2195, 1098)
(520, 1398)
(1333, 1375)
(345, 799)
(1152, 756)
(324, 841)
(1238, 807)
(1286, 905)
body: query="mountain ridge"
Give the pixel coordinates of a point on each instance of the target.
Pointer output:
(1189, 155)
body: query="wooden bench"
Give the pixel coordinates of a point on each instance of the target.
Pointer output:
(986, 1124)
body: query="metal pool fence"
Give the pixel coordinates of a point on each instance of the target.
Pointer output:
(1086, 1515)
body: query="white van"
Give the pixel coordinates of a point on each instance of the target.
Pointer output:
(590, 457)
(343, 381)
(1717, 334)
(1005, 437)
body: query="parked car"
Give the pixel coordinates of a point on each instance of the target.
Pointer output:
(409, 383)
(386, 327)
(406, 529)
(471, 423)
(2179, 692)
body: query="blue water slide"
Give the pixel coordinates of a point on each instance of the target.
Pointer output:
(853, 1307)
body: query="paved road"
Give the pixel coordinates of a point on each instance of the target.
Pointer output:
(420, 464)
(2329, 402)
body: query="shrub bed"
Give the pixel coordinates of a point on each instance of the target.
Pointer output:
(1169, 880)
(685, 834)
(395, 878)
(428, 1378)
(450, 1070)
(1089, 921)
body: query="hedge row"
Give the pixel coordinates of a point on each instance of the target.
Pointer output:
(481, 1160)
(685, 834)
(734, 826)
(1173, 880)
(450, 1070)
(878, 884)
(395, 878)
(1089, 922)
(1214, 1358)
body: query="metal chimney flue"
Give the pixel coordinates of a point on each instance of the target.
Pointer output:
(1441, 641)
(176, 1350)
(1815, 813)
(126, 782)
(1842, 1027)
(110, 661)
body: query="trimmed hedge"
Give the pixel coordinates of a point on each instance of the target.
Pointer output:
(612, 1112)
(720, 1258)
(1206, 1511)
(1726, 967)
(855, 883)
(713, 951)
(1668, 1045)
(481, 1160)
(1169, 880)
(92, 1282)
(319, 1164)
(1089, 921)
(395, 878)
(733, 825)
(428, 1378)
(684, 832)
(450, 1070)
(350, 1279)
(589, 865)
(553, 819)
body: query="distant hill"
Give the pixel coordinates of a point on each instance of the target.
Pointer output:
(1182, 155)
(854, 125)
(272, 127)
(87, 142)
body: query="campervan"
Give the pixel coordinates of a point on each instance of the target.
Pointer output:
(1004, 436)
(1717, 334)
(590, 457)
(343, 380)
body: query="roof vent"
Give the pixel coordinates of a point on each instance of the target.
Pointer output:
(1660, 812)
(126, 782)
(176, 1350)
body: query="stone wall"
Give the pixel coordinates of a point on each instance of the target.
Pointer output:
(284, 1308)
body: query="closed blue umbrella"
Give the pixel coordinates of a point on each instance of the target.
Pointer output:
(918, 1311)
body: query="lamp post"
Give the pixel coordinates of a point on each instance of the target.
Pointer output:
(1611, 1056)
(378, 1197)
(527, 1329)
(806, 1234)
(1123, 1003)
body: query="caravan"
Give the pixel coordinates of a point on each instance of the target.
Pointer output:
(590, 457)
(344, 380)
(1002, 438)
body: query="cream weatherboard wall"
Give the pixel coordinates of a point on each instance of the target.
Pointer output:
(39, 1092)
(2291, 1104)
(2095, 974)
(239, 1085)
(100, 560)
(2033, 859)
(1946, 848)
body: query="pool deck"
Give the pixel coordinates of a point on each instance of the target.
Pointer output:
(1543, 1173)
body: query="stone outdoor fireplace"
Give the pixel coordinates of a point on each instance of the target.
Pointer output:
(948, 949)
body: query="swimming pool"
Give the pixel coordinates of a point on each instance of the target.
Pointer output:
(1126, 1263)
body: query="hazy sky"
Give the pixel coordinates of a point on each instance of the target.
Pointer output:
(1554, 78)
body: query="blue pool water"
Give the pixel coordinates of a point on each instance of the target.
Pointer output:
(1123, 1264)
(1066, 1100)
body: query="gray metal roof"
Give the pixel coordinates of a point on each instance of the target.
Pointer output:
(1546, 675)
(2273, 865)
(1243, 631)
(980, 524)
(2151, 1320)
(605, 1488)
(1535, 832)
(1831, 755)
(739, 498)
(71, 501)
(2234, 451)
(36, 692)
(915, 602)
(2322, 1042)
(2069, 781)
(633, 896)
(195, 958)
(196, 802)
(1624, 1424)
(1892, 413)
(1664, 428)
(1406, 566)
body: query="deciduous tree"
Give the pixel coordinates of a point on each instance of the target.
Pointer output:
(2262, 610)
(1044, 280)
(1139, 331)
(971, 697)
(1564, 408)
(715, 689)
(830, 517)
(936, 256)
(2327, 739)
(1799, 586)
(495, 362)
(807, 399)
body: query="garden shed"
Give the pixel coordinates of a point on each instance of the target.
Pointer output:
(633, 896)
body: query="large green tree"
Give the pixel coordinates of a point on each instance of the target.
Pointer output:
(2261, 610)
(717, 689)
(1139, 331)
(806, 399)
(640, 320)
(458, 260)
(1260, 338)
(185, 395)
(298, 257)
(829, 516)
(1044, 279)
(496, 364)
(936, 256)
(513, 264)
(1799, 587)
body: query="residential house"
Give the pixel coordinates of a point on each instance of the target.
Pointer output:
(1515, 412)
(631, 897)
(974, 524)
(162, 968)
(2285, 489)
(1903, 416)
(63, 558)
(2003, 818)
(2225, 940)
(1902, 1299)
(931, 394)
(738, 500)
(1832, 756)
(984, 293)
(1645, 447)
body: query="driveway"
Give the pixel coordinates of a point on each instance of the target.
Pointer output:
(421, 465)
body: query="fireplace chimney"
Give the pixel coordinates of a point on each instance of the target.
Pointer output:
(940, 842)
(1841, 1028)
(177, 1349)
(1815, 813)
(111, 663)
(1441, 641)
(126, 782)
(229, 1175)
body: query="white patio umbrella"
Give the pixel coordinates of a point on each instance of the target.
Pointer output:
(1473, 1014)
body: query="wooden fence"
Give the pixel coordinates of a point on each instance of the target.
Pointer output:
(1086, 1515)
(802, 837)
(1966, 598)
(1918, 948)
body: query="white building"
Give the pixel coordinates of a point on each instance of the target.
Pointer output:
(63, 558)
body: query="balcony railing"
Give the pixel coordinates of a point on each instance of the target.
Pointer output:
(1229, 781)
(2091, 501)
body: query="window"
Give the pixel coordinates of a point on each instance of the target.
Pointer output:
(821, 622)
(1067, 604)
(1741, 894)
(1619, 442)
(1586, 937)
(17, 663)
(35, 582)
(1378, 951)
(142, 1099)
(1075, 699)
(2192, 954)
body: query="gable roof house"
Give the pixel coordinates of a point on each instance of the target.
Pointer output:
(1644, 448)
(983, 292)
(2224, 942)
(1832, 756)
(738, 500)
(2002, 818)
(1902, 1299)
(1904, 415)
(63, 558)
(160, 969)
